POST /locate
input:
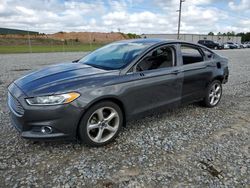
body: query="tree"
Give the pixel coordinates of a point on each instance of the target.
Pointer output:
(240, 34)
(231, 33)
(244, 36)
(133, 36)
(211, 33)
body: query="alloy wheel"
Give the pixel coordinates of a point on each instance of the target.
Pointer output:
(103, 124)
(215, 94)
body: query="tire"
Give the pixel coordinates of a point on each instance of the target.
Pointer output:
(214, 90)
(100, 124)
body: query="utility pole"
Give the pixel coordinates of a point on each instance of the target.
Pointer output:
(179, 22)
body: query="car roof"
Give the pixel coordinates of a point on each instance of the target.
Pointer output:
(157, 41)
(148, 40)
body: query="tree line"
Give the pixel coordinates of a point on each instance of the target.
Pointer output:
(244, 36)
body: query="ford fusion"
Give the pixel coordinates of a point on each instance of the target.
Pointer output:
(90, 99)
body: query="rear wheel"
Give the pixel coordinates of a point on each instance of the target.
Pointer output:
(100, 124)
(213, 94)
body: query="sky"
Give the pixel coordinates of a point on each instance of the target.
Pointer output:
(134, 16)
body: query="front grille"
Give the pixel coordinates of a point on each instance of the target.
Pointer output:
(15, 105)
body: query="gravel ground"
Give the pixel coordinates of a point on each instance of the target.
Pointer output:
(190, 146)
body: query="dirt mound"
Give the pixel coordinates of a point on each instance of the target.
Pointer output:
(83, 37)
(87, 37)
(64, 37)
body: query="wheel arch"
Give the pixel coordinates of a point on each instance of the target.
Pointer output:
(219, 77)
(106, 98)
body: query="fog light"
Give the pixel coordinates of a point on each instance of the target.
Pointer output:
(46, 130)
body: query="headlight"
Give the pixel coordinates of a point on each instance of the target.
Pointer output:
(53, 99)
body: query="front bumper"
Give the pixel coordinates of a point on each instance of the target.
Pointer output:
(29, 120)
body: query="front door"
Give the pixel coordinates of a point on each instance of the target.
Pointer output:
(155, 81)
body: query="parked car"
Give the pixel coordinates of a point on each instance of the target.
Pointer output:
(93, 97)
(210, 44)
(246, 44)
(230, 45)
(238, 45)
(226, 46)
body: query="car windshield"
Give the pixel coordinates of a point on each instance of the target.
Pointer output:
(115, 55)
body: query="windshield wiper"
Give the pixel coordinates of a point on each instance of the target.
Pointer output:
(76, 61)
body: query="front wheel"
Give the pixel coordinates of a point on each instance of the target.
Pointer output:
(213, 94)
(100, 124)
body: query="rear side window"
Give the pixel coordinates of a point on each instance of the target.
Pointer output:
(191, 54)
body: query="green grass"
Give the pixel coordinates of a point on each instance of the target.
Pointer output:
(48, 48)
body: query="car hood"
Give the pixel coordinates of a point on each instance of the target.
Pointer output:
(59, 77)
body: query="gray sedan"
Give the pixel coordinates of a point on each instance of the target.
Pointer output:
(90, 99)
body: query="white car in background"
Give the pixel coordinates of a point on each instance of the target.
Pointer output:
(226, 46)
(239, 45)
(246, 45)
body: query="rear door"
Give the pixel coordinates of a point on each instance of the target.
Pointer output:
(155, 81)
(197, 72)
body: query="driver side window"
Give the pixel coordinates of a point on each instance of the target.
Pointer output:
(162, 57)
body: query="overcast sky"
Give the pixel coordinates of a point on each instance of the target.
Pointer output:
(136, 16)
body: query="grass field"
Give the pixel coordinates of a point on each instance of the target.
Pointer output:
(48, 48)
